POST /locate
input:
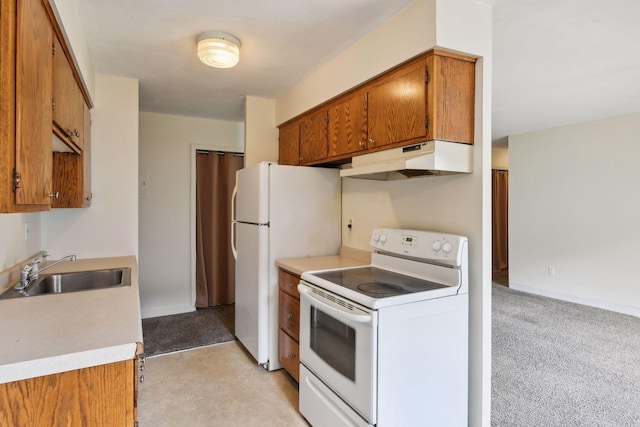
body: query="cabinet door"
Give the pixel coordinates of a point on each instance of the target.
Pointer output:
(396, 106)
(33, 103)
(348, 126)
(314, 142)
(289, 354)
(87, 195)
(289, 315)
(289, 146)
(68, 101)
(450, 99)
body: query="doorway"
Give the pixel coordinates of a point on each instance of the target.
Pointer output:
(500, 225)
(213, 265)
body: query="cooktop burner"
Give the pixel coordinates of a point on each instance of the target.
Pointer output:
(378, 283)
(380, 289)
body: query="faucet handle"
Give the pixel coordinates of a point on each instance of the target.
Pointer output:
(35, 262)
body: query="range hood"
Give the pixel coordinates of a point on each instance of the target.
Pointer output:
(423, 159)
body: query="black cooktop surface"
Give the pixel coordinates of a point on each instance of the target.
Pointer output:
(378, 283)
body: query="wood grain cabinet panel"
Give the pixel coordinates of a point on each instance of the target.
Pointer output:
(450, 98)
(289, 283)
(290, 315)
(289, 354)
(348, 126)
(289, 322)
(72, 173)
(397, 107)
(33, 104)
(314, 143)
(68, 102)
(289, 145)
(97, 396)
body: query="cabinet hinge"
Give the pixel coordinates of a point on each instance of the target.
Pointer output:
(17, 180)
(426, 122)
(53, 104)
(53, 48)
(426, 76)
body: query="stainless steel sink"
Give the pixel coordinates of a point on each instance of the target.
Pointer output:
(73, 282)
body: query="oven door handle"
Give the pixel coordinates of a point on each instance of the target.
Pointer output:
(343, 314)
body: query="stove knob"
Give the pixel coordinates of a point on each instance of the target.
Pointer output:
(383, 238)
(446, 248)
(376, 237)
(436, 245)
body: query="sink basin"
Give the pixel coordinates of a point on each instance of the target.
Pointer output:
(73, 282)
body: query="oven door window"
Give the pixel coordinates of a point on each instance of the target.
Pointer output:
(334, 342)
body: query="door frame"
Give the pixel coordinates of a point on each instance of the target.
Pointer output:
(194, 148)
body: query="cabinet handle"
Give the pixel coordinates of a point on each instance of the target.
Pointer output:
(55, 196)
(290, 356)
(361, 144)
(290, 285)
(372, 141)
(74, 132)
(289, 315)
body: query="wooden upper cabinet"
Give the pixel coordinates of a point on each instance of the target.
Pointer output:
(33, 160)
(68, 102)
(397, 106)
(289, 146)
(450, 98)
(429, 97)
(348, 126)
(314, 143)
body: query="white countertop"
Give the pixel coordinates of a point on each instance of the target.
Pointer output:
(47, 334)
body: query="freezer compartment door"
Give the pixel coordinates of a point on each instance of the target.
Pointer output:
(252, 200)
(252, 290)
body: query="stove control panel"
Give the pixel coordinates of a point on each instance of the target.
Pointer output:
(424, 245)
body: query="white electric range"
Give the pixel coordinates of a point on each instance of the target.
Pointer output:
(387, 344)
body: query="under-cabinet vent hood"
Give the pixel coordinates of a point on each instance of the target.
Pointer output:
(423, 159)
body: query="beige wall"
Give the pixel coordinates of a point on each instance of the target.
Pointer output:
(110, 226)
(500, 158)
(165, 204)
(457, 204)
(260, 133)
(574, 207)
(13, 247)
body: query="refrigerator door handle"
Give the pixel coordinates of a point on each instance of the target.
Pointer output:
(233, 220)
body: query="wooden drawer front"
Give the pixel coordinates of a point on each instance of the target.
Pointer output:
(289, 354)
(289, 315)
(289, 283)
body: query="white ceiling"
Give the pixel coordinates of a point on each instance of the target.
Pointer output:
(555, 61)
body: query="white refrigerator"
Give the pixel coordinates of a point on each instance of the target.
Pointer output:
(280, 212)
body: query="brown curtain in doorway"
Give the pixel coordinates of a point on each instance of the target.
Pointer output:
(500, 223)
(215, 265)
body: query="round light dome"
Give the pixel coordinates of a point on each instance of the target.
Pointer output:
(218, 50)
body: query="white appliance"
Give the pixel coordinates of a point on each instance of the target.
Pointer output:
(423, 159)
(387, 344)
(280, 212)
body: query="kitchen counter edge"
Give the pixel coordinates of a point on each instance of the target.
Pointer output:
(348, 257)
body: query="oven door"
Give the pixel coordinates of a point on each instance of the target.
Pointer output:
(338, 342)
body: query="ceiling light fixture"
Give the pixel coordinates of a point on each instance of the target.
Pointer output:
(218, 50)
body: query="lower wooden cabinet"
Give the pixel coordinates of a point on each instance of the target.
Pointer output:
(289, 322)
(104, 395)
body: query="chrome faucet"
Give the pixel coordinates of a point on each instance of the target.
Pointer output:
(30, 272)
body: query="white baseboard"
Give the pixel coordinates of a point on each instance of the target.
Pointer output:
(606, 305)
(166, 311)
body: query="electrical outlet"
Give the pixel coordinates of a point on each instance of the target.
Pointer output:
(26, 230)
(551, 271)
